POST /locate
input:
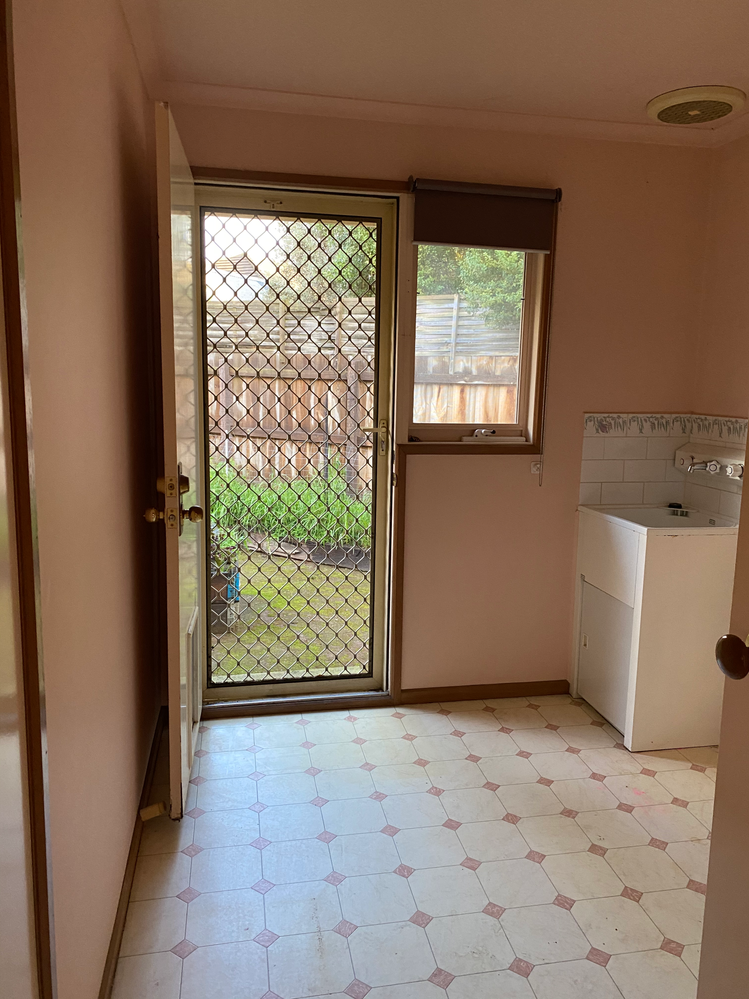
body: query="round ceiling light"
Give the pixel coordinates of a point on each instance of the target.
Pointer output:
(694, 105)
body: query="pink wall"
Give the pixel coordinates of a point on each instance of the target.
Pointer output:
(85, 177)
(489, 554)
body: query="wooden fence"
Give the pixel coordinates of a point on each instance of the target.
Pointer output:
(289, 389)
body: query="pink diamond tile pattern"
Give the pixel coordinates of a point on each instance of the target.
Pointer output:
(460, 880)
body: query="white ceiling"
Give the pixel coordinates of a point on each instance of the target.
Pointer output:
(564, 66)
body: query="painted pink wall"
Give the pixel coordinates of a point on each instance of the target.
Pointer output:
(85, 178)
(489, 554)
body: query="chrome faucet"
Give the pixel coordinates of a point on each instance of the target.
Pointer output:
(704, 466)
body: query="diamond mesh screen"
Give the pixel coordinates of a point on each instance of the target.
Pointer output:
(290, 315)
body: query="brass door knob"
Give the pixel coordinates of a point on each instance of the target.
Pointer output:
(194, 514)
(152, 515)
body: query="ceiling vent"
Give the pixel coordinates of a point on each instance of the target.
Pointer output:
(695, 105)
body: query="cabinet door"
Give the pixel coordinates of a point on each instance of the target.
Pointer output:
(605, 645)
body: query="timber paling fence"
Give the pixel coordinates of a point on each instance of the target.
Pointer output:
(290, 388)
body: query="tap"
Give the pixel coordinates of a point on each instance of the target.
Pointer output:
(713, 467)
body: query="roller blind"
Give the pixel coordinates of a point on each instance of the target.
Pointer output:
(486, 215)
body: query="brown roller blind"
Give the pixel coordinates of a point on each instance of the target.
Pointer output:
(503, 218)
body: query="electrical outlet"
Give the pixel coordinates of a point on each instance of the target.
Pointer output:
(535, 468)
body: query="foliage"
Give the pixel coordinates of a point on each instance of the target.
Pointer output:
(316, 509)
(491, 281)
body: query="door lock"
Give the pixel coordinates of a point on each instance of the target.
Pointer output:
(174, 487)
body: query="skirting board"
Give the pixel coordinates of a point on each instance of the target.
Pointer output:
(479, 691)
(287, 705)
(110, 965)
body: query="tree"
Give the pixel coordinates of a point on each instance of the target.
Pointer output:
(490, 281)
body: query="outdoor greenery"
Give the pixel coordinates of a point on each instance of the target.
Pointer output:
(491, 281)
(318, 509)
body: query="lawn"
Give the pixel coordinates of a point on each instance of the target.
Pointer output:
(298, 620)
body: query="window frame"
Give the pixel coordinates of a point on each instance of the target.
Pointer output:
(445, 438)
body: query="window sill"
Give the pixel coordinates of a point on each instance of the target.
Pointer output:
(465, 447)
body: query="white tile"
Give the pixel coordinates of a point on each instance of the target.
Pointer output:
(664, 447)
(544, 934)
(280, 822)
(384, 752)
(658, 760)
(236, 764)
(730, 504)
(447, 891)
(228, 737)
(638, 789)
(337, 756)
(594, 447)
(590, 493)
(553, 834)
(238, 970)
(225, 917)
(232, 827)
(472, 804)
(404, 778)
(427, 723)
(564, 714)
(160, 876)
(670, 823)
(512, 883)
(692, 857)
(663, 493)
(412, 990)
(622, 492)
(364, 853)
(602, 471)
(702, 810)
(309, 907)
(239, 792)
(432, 847)
(447, 747)
(705, 756)
(507, 702)
(508, 770)
(375, 898)
(467, 705)
(690, 785)
(453, 774)
(275, 736)
(652, 975)
(585, 737)
(225, 868)
(379, 728)
(616, 925)
(645, 471)
(148, 975)
(518, 716)
(627, 447)
(296, 860)
(610, 762)
(469, 943)
(163, 835)
(611, 828)
(474, 721)
(573, 980)
(324, 732)
(154, 925)
(582, 875)
(495, 840)
(691, 957)
(411, 811)
(540, 740)
(560, 766)
(584, 795)
(309, 964)
(391, 954)
(485, 744)
(703, 497)
(339, 784)
(646, 868)
(677, 914)
(490, 985)
(529, 799)
(353, 816)
(286, 789)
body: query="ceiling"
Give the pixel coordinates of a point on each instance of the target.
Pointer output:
(562, 66)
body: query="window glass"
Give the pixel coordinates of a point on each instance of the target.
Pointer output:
(468, 324)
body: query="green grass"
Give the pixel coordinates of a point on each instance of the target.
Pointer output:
(303, 510)
(301, 620)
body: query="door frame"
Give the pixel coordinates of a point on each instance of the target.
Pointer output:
(385, 209)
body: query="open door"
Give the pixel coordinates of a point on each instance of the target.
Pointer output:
(181, 483)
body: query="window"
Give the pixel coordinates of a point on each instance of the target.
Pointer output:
(481, 314)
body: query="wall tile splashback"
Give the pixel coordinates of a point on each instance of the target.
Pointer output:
(628, 458)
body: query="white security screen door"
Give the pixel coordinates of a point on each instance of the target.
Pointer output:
(182, 481)
(298, 330)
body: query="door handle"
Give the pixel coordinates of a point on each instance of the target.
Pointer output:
(732, 656)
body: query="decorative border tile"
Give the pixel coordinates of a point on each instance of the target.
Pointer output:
(649, 425)
(730, 430)
(614, 424)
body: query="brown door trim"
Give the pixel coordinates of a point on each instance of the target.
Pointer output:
(312, 182)
(21, 466)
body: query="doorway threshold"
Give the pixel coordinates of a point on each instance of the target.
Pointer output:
(302, 704)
